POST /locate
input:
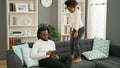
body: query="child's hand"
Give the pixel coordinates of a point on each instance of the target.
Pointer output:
(70, 30)
(76, 34)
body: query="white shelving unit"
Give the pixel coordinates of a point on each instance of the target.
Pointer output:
(63, 24)
(22, 21)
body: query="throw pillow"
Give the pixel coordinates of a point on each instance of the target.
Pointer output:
(28, 60)
(102, 45)
(18, 51)
(94, 54)
(100, 49)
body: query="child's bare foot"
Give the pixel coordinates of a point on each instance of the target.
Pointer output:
(78, 59)
(72, 56)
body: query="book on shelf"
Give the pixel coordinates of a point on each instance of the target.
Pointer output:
(65, 38)
(13, 41)
(12, 7)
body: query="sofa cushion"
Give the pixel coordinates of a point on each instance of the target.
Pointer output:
(34, 67)
(94, 54)
(28, 60)
(115, 50)
(100, 49)
(110, 62)
(31, 44)
(101, 45)
(81, 64)
(18, 50)
(86, 44)
(63, 48)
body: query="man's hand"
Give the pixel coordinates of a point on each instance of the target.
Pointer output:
(54, 57)
(49, 52)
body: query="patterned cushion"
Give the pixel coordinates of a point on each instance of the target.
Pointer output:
(100, 49)
(94, 54)
(18, 50)
(102, 45)
(28, 60)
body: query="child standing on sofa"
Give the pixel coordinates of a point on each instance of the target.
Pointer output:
(76, 29)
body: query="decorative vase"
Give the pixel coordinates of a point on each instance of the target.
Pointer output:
(28, 21)
(31, 6)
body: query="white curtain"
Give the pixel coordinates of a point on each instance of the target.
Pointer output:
(96, 25)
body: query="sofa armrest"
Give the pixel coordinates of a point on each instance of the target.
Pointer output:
(13, 61)
(114, 50)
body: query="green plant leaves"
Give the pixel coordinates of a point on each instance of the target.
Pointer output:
(54, 34)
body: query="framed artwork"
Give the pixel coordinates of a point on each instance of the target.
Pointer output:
(21, 7)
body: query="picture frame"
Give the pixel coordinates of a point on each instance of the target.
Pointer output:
(21, 7)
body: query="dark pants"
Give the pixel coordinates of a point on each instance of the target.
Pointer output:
(50, 63)
(74, 42)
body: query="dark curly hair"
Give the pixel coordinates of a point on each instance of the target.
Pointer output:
(71, 3)
(43, 28)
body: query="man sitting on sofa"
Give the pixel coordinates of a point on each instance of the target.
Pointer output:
(43, 48)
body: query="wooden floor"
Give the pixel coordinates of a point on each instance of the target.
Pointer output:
(3, 64)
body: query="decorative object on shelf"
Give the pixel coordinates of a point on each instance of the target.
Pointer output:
(64, 19)
(31, 7)
(54, 34)
(12, 20)
(17, 33)
(46, 3)
(67, 20)
(27, 32)
(21, 7)
(28, 21)
(65, 10)
(66, 29)
(78, 7)
(65, 38)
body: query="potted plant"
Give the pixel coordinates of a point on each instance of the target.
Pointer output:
(54, 34)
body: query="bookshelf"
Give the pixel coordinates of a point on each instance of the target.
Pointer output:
(63, 24)
(22, 21)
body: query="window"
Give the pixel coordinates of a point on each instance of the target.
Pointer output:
(96, 24)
